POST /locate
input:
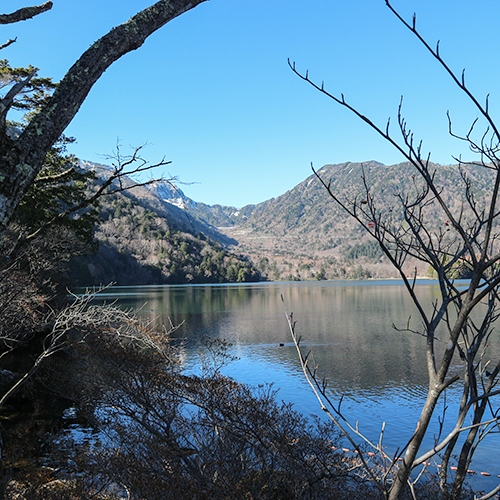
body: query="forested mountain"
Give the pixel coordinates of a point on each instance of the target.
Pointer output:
(156, 234)
(211, 215)
(144, 239)
(304, 234)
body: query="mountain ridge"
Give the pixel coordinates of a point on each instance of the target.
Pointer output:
(303, 233)
(305, 227)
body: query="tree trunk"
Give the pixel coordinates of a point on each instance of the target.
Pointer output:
(406, 466)
(21, 158)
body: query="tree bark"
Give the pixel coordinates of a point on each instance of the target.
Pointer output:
(21, 159)
(24, 13)
(437, 385)
(406, 467)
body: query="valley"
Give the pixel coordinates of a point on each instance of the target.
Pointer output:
(300, 235)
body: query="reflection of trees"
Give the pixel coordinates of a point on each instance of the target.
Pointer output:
(357, 347)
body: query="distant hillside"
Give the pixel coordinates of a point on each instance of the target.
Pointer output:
(168, 202)
(211, 215)
(145, 239)
(157, 234)
(304, 231)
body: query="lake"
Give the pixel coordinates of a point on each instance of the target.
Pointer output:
(380, 372)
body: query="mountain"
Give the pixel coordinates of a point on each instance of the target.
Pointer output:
(166, 200)
(302, 234)
(211, 215)
(171, 194)
(147, 236)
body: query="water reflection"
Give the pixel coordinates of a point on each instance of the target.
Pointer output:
(348, 326)
(380, 371)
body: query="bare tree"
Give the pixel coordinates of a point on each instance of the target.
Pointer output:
(22, 157)
(451, 243)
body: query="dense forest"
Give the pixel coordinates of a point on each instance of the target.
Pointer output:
(137, 246)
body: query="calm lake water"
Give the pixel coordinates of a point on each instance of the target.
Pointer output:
(379, 371)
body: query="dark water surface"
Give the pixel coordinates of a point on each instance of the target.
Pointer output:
(380, 372)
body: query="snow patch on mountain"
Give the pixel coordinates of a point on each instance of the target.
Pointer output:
(171, 194)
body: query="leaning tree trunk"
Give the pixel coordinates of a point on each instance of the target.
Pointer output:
(21, 158)
(406, 466)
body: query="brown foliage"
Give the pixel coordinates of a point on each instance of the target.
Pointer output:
(167, 434)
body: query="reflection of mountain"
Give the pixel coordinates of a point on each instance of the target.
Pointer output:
(381, 372)
(348, 327)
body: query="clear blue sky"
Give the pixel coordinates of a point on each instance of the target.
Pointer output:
(212, 91)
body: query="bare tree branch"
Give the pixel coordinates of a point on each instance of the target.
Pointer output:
(7, 43)
(113, 183)
(7, 101)
(25, 13)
